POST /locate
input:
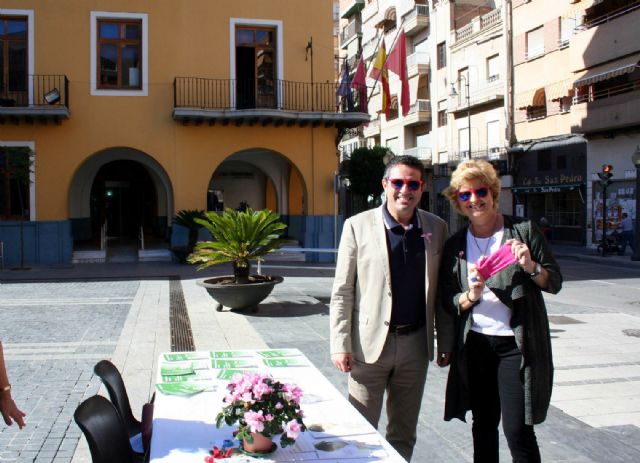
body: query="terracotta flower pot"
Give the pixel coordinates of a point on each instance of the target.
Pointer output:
(260, 444)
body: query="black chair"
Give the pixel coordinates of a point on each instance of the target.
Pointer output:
(112, 380)
(104, 431)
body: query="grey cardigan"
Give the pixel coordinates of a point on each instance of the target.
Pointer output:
(529, 322)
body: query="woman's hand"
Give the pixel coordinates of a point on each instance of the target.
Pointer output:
(523, 255)
(476, 284)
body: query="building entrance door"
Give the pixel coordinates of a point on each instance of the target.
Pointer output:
(124, 197)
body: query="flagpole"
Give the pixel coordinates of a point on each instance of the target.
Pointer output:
(386, 57)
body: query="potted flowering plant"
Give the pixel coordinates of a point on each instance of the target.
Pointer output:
(262, 407)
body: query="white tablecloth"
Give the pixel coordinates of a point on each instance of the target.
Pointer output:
(184, 427)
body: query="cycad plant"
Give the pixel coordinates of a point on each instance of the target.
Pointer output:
(238, 237)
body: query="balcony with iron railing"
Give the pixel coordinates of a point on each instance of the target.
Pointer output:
(350, 32)
(487, 154)
(264, 101)
(416, 20)
(607, 108)
(478, 25)
(421, 152)
(35, 97)
(419, 113)
(481, 93)
(592, 44)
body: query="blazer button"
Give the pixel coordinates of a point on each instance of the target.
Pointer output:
(386, 323)
(389, 294)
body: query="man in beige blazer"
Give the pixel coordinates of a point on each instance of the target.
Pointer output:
(383, 302)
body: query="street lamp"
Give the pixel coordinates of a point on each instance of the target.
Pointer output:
(454, 93)
(636, 235)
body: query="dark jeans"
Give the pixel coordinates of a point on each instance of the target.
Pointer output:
(496, 389)
(626, 237)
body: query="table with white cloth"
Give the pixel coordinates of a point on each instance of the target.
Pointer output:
(189, 392)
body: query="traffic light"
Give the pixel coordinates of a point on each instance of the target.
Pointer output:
(605, 175)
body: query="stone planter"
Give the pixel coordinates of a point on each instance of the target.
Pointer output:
(239, 296)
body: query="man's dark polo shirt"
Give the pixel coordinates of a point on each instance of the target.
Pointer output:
(407, 266)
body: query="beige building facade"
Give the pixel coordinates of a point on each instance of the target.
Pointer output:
(576, 109)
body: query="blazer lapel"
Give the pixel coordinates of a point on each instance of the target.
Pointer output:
(380, 236)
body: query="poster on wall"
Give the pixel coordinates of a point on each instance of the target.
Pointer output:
(620, 199)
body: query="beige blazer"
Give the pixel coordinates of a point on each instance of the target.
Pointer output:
(360, 309)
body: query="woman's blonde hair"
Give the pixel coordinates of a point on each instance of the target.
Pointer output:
(470, 171)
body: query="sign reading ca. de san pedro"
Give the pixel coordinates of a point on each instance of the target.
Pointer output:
(548, 183)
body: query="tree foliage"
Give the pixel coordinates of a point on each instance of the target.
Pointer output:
(365, 168)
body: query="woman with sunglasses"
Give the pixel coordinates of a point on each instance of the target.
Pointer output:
(501, 364)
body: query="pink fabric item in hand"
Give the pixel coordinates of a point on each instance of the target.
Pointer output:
(502, 258)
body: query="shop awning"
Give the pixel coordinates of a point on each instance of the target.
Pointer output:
(579, 7)
(559, 90)
(536, 97)
(608, 71)
(547, 143)
(545, 188)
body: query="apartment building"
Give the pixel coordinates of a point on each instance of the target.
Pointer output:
(135, 110)
(456, 58)
(365, 25)
(577, 103)
(469, 84)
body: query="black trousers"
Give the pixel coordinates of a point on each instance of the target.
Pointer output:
(496, 390)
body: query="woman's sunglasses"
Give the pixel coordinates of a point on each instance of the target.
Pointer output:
(398, 183)
(466, 195)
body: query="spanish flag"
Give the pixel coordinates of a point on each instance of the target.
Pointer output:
(379, 72)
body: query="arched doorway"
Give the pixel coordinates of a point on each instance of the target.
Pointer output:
(125, 189)
(124, 198)
(258, 178)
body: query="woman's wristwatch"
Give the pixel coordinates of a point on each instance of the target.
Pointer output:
(536, 271)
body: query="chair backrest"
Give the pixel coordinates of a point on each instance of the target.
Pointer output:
(112, 380)
(104, 431)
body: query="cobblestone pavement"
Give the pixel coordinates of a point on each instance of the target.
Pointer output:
(53, 334)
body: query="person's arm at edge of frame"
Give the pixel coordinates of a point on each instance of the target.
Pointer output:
(343, 300)
(8, 407)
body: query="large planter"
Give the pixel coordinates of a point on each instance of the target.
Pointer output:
(239, 296)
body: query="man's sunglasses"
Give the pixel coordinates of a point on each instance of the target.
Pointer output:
(398, 183)
(466, 195)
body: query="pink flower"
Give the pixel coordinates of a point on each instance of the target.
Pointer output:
(293, 429)
(254, 420)
(279, 406)
(427, 236)
(268, 417)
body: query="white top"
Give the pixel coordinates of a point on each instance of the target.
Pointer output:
(490, 316)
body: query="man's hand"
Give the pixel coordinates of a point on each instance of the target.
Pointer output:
(343, 361)
(443, 359)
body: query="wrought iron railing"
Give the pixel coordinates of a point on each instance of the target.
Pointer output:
(283, 95)
(606, 92)
(36, 90)
(351, 30)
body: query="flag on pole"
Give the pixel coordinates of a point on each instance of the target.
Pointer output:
(379, 72)
(344, 89)
(397, 63)
(359, 84)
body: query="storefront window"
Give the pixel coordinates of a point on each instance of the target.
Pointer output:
(620, 198)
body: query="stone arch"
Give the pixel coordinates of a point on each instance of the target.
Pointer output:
(260, 165)
(79, 195)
